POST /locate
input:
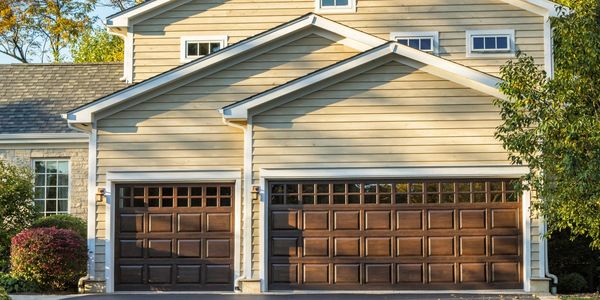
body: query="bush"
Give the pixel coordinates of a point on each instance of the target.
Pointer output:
(16, 285)
(17, 210)
(62, 222)
(52, 258)
(3, 294)
(571, 283)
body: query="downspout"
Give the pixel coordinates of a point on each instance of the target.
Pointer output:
(125, 55)
(543, 230)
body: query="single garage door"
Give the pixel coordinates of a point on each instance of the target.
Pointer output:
(174, 237)
(395, 234)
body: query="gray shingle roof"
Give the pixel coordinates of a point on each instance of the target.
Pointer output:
(33, 96)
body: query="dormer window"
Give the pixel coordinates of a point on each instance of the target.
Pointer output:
(193, 47)
(500, 43)
(335, 6)
(424, 41)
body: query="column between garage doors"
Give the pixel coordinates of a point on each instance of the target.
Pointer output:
(213, 178)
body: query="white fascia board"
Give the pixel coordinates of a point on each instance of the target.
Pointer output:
(539, 7)
(122, 20)
(466, 76)
(85, 114)
(43, 138)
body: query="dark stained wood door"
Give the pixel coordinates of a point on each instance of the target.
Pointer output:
(174, 237)
(391, 234)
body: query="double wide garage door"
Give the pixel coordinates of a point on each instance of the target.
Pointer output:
(390, 234)
(174, 237)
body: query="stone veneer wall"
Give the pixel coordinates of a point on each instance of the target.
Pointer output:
(78, 156)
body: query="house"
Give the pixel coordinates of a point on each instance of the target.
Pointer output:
(312, 145)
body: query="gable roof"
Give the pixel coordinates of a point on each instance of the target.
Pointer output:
(123, 18)
(357, 39)
(452, 71)
(33, 96)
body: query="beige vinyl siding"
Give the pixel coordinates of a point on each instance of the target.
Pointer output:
(157, 39)
(390, 116)
(183, 129)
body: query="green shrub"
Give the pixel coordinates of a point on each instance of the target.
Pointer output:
(17, 210)
(16, 285)
(54, 259)
(62, 222)
(571, 283)
(3, 294)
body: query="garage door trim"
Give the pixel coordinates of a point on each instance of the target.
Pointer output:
(233, 175)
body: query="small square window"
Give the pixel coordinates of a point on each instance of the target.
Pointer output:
(193, 47)
(490, 43)
(424, 41)
(335, 6)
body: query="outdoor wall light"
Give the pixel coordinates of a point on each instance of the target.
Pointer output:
(255, 192)
(100, 192)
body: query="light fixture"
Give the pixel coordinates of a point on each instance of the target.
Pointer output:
(255, 192)
(100, 192)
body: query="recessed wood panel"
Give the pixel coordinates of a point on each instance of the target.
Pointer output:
(189, 274)
(218, 274)
(472, 219)
(159, 274)
(472, 245)
(159, 248)
(316, 273)
(316, 220)
(218, 222)
(189, 248)
(441, 273)
(189, 222)
(284, 220)
(473, 272)
(378, 220)
(346, 220)
(440, 219)
(409, 273)
(505, 245)
(284, 273)
(411, 219)
(409, 246)
(131, 274)
(505, 272)
(441, 246)
(217, 248)
(375, 246)
(347, 246)
(284, 246)
(316, 247)
(131, 223)
(160, 223)
(131, 248)
(347, 273)
(378, 273)
(505, 218)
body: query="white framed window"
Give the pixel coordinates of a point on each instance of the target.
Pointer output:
(193, 47)
(426, 41)
(335, 6)
(52, 182)
(496, 43)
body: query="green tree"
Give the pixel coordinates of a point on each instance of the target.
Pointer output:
(18, 37)
(553, 124)
(17, 210)
(97, 45)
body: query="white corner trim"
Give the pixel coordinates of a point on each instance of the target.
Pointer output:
(434, 35)
(526, 221)
(91, 201)
(85, 114)
(466, 76)
(548, 48)
(43, 138)
(167, 176)
(491, 32)
(183, 40)
(350, 8)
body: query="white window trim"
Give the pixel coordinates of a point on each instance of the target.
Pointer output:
(169, 176)
(350, 8)
(432, 34)
(511, 41)
(33, 160)
(198, 38)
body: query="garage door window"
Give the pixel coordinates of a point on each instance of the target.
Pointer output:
(175, 196)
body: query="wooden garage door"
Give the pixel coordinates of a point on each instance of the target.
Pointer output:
(174, 237)
(391, 234)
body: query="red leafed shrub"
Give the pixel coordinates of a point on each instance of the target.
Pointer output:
(52, 258)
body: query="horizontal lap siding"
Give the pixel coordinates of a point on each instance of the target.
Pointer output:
(182, 129)
(391, 116)
(156, 39)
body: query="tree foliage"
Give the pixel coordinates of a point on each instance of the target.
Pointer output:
(18, 37)
(97, 45)
(553, 124)
(17, 210)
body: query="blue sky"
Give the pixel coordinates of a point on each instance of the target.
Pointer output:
(101, 11)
